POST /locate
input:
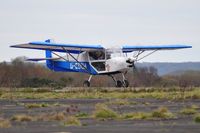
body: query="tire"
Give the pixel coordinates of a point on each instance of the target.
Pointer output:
(86, 83)
(125, 83)
(119, 83)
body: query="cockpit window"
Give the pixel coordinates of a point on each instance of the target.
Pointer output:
(97, 55)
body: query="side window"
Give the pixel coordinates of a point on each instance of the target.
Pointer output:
(100, 66)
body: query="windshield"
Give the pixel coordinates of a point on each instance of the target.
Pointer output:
(110, 53)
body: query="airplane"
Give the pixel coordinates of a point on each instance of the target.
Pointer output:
(94, 59)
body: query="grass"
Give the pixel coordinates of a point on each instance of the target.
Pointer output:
(97, 93)
(136, 115)
(36, 105)
(197, 118)
(4, 123)
(119, 102)
(103, 112)
(72, 121)
(188, 111)
(160, 113)
(57, 116)
(195, 106)
(82, 115)
(60, 116)
(22, 118)
(163, 113)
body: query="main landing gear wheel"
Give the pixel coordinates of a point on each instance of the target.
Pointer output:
(119, 83)
(125, 83)
(86, 83)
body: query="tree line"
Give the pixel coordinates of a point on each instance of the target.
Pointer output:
(18, 73)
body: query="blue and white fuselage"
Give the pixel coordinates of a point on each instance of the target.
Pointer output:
(82, 62)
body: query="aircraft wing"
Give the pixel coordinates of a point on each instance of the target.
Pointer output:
(59, 47)
(128, 48)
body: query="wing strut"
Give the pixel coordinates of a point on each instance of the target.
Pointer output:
(75, 59)
(146, 55)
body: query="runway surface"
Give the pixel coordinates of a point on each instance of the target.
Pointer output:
(180, 124)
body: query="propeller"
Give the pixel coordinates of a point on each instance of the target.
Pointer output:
(132, 61)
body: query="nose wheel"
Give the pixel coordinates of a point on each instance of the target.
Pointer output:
(125, 83)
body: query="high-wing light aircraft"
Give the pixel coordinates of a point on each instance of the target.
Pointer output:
(94, 59)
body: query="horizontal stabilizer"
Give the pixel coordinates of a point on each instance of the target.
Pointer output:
(41, 59)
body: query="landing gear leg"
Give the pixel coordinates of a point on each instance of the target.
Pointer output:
(125, 81)
(118, 83)
(86, 83)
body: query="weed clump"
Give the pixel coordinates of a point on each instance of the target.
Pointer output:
(188, 111)
(57, 116)
(163, 113)
(137, 116)
(197, 118)
(36, 105)
(82, 115)
(119, 102)
(160, 113)
(103, 112)
(195, 106)
(22, 118)
(4, 123)
(72, 121)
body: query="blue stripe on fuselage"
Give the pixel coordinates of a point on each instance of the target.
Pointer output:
(64, 66)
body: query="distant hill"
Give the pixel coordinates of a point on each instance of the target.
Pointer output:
(171, 68)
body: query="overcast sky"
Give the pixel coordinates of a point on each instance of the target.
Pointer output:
(105, 22)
